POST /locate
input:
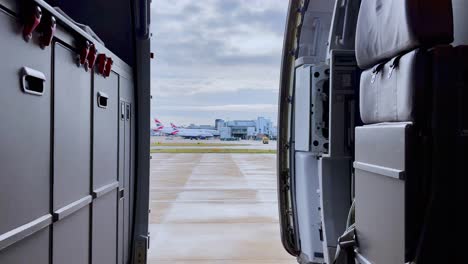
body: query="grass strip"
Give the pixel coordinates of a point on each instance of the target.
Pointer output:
(215, 150)
(198, 144)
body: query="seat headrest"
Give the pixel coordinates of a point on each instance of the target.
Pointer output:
(387, 28)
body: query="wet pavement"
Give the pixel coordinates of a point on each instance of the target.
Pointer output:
(213, 209)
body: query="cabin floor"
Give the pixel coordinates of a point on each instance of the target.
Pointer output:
(214, 208)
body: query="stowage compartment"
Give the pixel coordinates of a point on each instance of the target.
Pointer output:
(389, 91)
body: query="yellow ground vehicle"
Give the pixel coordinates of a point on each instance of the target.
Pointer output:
(265, 140)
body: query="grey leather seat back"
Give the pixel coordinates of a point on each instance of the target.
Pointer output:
(387, 28)
(388, 91)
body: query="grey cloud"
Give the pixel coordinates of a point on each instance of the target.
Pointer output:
(228, 6)
(210, 53)
(191, 44)
(192, 9)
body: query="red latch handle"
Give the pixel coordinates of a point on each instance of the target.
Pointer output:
(92, 55)
(83, 58)
(31, 23)
(49, 31)
(108, 69)
(101, 61)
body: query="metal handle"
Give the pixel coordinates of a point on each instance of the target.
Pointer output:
(32, 81)
(143, 19)
(102, 100)
(316, 26)
(122, 111)
(346, 24)
(127, 112)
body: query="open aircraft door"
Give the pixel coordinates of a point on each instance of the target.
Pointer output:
(318, 103)
(372, 142)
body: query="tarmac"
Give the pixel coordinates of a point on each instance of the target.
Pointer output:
(213, 209)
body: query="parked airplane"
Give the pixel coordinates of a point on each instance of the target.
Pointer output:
(161, 129)
(194, 133)
(210, 131)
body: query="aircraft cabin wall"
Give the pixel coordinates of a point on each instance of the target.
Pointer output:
(316, 24)
(460, 21)
(68, 196)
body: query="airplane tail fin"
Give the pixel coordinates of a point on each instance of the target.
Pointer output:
(174, 126)
(159, 125)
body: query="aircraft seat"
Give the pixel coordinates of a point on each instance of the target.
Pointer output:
(388, 28)
(403, 48)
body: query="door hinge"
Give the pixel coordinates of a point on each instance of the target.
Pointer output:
(285, 181)
(141, 250)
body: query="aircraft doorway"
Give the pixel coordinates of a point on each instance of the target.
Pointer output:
(213, 192)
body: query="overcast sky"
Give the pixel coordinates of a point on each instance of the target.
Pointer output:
(216, 59)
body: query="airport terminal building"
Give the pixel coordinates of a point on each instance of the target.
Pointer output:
(245, 129)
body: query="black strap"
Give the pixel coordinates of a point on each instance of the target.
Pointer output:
(345, 246)
(376, 71)
(393, 65)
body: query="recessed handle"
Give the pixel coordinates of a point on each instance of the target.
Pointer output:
(127, 112)
(122, 111)
(102, 100)
(32, 81)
